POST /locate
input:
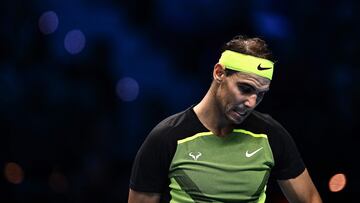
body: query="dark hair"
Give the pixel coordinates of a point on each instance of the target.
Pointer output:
(250, 46)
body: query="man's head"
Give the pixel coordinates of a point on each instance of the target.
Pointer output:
(247, 55)
(239, 83)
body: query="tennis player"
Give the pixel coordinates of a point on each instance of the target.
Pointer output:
(221, 149)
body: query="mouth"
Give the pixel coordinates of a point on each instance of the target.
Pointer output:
(238, 113)
(241, 113)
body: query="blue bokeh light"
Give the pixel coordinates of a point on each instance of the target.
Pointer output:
(127, 89)
(74, 41)
(272, 25)
(48, 22)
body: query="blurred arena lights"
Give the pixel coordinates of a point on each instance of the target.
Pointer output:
(337, 182)
(48, 22)
(272, 25)
(74, 41)
(127, 89)
(13, 173)
(58, 182)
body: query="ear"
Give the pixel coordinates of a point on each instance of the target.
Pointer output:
(219, 72)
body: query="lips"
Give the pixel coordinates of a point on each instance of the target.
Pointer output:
(241, 113)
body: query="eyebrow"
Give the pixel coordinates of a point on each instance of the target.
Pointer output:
(252, 86)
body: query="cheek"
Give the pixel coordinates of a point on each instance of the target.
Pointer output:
(233, 96)
(228, 101)
(228, 96)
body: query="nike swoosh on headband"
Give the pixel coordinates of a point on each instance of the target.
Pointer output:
(263, 68)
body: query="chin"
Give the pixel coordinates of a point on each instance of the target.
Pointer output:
(238, 121)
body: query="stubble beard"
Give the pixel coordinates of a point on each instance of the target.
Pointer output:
(237, 114)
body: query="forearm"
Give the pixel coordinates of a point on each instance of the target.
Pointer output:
(300, 189)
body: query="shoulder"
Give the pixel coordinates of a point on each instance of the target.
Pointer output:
(172, 122)
(288, 161)
(150, 168)
(178, 126)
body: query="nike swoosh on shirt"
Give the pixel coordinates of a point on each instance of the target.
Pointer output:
(247, 154)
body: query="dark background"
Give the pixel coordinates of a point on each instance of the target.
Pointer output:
(82, 82)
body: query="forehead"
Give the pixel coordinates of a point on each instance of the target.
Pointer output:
(252, 77)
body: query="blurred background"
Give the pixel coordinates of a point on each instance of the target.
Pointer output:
(82, 82)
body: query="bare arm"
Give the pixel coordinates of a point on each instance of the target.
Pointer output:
(300, 189)
(143, 197)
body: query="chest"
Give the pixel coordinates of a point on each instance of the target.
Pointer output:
(232, 168)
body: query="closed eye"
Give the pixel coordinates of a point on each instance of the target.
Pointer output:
(246, 88)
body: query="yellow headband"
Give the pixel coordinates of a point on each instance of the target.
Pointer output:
(246, 63)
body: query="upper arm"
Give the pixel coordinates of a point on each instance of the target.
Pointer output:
(149, 173)
(300, 189)
(143, 197)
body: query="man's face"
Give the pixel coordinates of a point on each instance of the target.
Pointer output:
(239, 94)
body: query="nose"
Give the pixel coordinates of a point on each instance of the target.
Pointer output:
(250, 101)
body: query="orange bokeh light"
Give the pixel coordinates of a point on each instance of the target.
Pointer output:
(337, 182)
(13, 173)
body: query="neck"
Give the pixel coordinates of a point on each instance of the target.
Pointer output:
(212, 116)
